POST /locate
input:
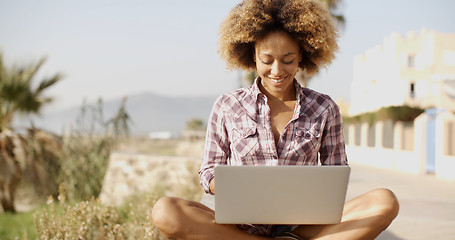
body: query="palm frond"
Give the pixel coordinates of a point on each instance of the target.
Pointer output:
(45, 83)
(29, 72)
(17, 94)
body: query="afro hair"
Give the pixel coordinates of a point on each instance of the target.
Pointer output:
(308, 21)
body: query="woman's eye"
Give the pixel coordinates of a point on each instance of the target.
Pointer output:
(288, 62)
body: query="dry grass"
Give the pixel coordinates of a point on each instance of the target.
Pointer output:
(92, 220)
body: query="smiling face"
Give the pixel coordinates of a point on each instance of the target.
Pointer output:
(277, 58)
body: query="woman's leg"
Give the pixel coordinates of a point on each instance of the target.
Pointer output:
(364, 217)
(182, 219)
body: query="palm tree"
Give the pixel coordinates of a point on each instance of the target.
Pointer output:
(332, 5)
(17, 93)
(19, 96)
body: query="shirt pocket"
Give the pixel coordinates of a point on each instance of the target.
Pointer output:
(306, 145)
(245, 142)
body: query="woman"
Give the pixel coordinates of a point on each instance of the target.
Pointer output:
(275, 122)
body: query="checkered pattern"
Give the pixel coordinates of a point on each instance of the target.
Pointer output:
(239, 133)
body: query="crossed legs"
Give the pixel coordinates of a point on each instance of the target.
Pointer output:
(182, 219)
(364, 217)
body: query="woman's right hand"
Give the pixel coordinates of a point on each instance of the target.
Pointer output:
(212, 186)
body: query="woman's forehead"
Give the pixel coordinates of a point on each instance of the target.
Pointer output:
(277, 43)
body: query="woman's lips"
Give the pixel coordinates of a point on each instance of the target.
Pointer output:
(277, 80)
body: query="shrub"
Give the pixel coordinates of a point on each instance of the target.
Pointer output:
(92, 220)
(86, 150)
(394, 113)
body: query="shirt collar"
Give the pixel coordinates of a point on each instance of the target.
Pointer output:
(300, 99)
(255, 88)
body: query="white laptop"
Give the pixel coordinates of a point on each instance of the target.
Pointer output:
(280, 194)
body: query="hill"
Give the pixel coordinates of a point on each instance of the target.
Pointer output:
(149, 112)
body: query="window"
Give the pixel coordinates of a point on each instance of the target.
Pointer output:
(412, 90)
(387, 134)
(346, 133)
(371, 140)
(358, 134)
(449, 138)
(407, 136)
(411, 61)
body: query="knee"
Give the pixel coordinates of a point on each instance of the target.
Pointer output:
(387, 205)
(160, 211)
(388, 200)
(165, 216)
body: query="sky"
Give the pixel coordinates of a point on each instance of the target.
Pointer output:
(114, 48)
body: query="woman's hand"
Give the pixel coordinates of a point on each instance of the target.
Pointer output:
(212, 186)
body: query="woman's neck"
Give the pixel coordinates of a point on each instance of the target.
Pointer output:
(288, 95)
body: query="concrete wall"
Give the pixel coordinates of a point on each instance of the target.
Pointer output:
(409, 151)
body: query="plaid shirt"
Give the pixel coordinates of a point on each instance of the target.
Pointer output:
(239, 133)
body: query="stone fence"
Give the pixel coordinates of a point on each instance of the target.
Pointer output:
(129, 174)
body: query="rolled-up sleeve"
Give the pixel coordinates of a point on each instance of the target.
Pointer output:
(216, 150)
(332, 150)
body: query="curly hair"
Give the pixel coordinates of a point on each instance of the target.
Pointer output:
(308, 21)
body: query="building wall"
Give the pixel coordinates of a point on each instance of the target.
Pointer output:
(414, 70)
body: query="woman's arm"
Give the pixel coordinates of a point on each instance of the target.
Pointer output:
(216, 150)
(332, 151)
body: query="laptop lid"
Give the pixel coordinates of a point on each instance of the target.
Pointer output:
(280, 194)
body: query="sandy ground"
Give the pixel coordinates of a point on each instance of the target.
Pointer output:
(427, 205)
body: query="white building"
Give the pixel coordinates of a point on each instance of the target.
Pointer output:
(416, 70)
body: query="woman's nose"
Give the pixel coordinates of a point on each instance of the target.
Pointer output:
(277, 68)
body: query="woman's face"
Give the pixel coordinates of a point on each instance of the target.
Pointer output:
(277, 58)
